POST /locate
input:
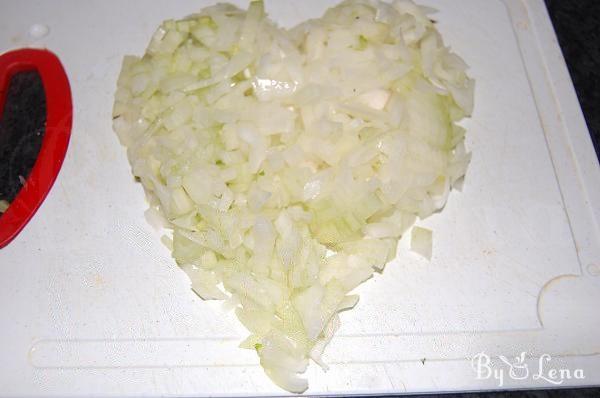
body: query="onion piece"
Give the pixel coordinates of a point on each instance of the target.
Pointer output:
(421, 242)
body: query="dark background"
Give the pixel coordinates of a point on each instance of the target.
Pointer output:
(577, 25)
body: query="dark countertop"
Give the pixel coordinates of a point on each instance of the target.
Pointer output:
(577, 25)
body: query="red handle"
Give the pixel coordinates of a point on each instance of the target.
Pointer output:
(59, 119)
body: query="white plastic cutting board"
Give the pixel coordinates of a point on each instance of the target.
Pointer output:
(92, 304)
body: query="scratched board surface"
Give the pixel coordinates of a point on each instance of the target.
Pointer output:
(91, 302)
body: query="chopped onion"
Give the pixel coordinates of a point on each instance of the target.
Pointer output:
(288, 163)
(421, 242)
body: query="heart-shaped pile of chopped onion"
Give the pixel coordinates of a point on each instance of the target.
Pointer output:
(289, 162)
